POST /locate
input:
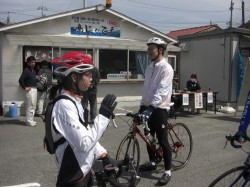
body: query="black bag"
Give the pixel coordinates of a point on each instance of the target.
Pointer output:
(48, 142)
(42, 82)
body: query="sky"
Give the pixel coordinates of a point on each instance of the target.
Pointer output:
(163, 15)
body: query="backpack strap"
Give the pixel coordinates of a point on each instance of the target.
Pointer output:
(66, 97)
(62, 139)
(59, 142)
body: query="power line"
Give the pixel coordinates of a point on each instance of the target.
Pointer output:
(171, 8)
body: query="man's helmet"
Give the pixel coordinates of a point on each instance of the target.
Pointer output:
(72, 62)
(158, 42)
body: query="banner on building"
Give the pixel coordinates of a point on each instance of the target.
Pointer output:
(91, 26)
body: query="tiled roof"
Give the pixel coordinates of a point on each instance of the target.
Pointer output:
(175, 34)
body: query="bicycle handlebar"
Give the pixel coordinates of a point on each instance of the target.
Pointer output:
(232, 140)
(141, 117)
(136, 116)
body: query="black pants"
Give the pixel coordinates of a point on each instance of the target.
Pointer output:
(87, 181)
(158, 125)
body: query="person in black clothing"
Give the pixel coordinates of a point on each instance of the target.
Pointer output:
(43, 95)
(90, 96)
(193, 84)
(29, 83)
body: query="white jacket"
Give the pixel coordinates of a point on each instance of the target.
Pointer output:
(157, 88)
(84, 142)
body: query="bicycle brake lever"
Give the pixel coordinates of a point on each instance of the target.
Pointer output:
(225, 144)
(146, 125)
(112, 121)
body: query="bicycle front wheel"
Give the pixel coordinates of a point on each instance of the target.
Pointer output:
(238, 176)
(129, 152)
(181, 143)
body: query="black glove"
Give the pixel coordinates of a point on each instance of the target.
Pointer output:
(147, 113)
(240, 137)
(142, 108)
(108, 105)
(108, 161)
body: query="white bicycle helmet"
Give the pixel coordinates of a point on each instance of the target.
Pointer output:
(73, 62)
(157, 41)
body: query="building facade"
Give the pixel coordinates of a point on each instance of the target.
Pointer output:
(116, 43)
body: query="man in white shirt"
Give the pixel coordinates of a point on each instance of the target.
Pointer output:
(155, 104)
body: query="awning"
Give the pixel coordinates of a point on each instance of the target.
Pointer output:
(79, 41)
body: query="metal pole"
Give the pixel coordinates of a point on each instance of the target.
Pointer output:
(243, 14)
(84, 3)
(231, 16)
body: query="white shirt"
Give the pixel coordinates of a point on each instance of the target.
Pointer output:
(84, 142)
(157, 87)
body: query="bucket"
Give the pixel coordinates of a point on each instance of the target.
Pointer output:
(13, 110)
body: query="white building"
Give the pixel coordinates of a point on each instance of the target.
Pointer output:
(116, 42)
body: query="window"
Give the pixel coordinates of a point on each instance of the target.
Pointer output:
(40, 53)
(113, 64)
(138, 61)
(172, 61)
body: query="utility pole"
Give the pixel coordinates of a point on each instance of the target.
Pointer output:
(8, 19)
(231, 14)
(243, 13)
(42, 8)
(84, 3)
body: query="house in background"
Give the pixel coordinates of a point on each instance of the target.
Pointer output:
(194, 30)
(189, 31)
(214, 56)
(116, 42)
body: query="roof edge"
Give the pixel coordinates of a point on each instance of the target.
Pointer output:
(216, 32)
(99, 7)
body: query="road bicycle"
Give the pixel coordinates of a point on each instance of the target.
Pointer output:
(238, 176)
(179, 137)
(118, 175)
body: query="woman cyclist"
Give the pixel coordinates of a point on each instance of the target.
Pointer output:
(74, 157)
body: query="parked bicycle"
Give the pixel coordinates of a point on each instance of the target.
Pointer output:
(180, 140)
(238, 176)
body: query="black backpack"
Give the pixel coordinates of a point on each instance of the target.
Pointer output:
(42, 83)
(48, 142)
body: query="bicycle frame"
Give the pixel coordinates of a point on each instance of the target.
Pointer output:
(135, 130)
(179, 137)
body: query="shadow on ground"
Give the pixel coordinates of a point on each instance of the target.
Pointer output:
(225, 118)
(12, 122)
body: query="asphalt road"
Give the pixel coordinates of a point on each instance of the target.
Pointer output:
(23, 159)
